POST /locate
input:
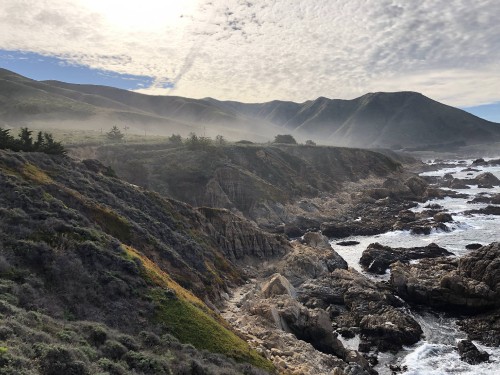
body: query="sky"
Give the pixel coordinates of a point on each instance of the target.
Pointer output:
(261, 50)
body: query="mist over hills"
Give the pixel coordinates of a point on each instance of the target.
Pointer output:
(392, 120)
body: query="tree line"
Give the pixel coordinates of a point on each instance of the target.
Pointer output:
(43, 142)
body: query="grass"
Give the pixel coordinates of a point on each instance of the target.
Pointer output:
(190, 320)
(35, 174)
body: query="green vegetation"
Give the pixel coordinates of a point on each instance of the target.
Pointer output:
(76, 246)
(44, 142)
(115, 134)
(285, 139)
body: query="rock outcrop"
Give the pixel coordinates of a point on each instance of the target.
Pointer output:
(377, 258)
(472, 282)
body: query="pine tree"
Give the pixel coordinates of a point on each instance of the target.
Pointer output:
(115, 134)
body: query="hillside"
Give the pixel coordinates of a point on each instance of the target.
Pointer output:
(97, 275)
(24, 101)
(268, 184)
(392, 120)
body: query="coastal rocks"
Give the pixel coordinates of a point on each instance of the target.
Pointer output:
(487, 179)
(470, 353)
(278, 285)
(391, 329)
(473, 282)
(443, 217)
(473, 246)
(350, 297)
(377, 258)
(488, 210)
(305, 263)
(353, 228)
(484, 327)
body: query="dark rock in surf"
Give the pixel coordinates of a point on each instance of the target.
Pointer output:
(473, 246)
(443, 217)
(489, 210)
(377, 258)
(347, 243)
(471, 354)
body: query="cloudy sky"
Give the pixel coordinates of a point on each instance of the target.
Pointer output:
(259, 50)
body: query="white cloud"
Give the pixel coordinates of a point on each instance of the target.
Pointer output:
(258, 50)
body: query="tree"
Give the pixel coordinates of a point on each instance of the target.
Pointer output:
(49, 146)
(193, 142)
(310, 143)
(25, 140)
(175, 139)
(44, 142)
(285, 138)
(220, 140)
(6, 140)
(115, 134)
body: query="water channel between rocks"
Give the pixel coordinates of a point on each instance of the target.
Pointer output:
(436, 354)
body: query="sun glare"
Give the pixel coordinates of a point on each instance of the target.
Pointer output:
(144, 15)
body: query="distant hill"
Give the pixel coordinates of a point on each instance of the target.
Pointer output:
(393, 120)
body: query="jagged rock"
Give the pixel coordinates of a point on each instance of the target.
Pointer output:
(238, 239)
(417, 185)
(484, 327)
(377, 258)
(316, 239)
(471, 282)
(391, 329)
(470, 353)
(278, 285)
(443, 217)
(305, 263)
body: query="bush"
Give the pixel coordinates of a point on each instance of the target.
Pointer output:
(57, 360)
(285, 138)
(113, 349)
(146, 363)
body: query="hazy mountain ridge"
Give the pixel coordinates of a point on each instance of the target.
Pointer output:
(394, 120)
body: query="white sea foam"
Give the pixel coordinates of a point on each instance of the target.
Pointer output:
(437, 354)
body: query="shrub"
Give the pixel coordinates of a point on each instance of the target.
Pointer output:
(285, 138)
(57, 360)
(113, 349)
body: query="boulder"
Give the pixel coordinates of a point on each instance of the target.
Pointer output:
(347, 243)
(473, 246)
(278, 285)
(488, 179)
(316, 239)
(470, 353)
(443, 217)
(417, 185)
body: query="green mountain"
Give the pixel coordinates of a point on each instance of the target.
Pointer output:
(395, 120)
